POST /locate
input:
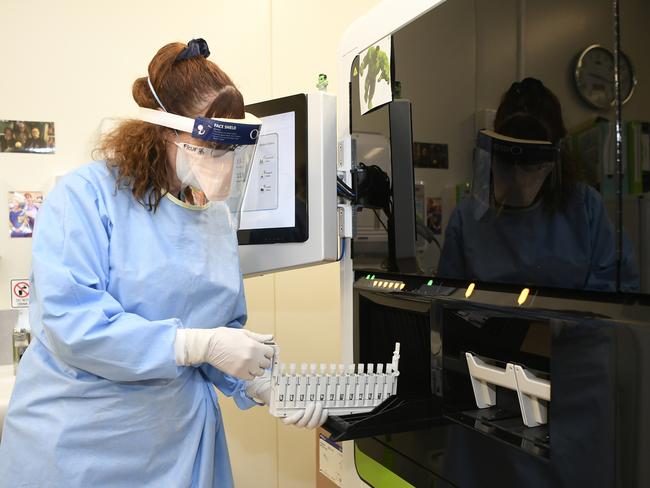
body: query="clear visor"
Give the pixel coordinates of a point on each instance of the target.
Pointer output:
(220, 167)
(510, 173)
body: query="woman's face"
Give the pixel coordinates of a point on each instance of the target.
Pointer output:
(171, 138)
(518, 185)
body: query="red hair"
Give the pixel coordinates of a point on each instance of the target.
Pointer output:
(136, 149)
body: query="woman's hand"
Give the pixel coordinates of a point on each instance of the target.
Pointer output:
(312, 416)
(236, 352)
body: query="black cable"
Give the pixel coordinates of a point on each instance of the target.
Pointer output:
(437, 243)
(380, 221)
(344, 184)
(344, 188)
(427, 234)
(342, 249)
(345, 194)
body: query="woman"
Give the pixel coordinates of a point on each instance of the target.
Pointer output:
(138, 307)
(535, 223)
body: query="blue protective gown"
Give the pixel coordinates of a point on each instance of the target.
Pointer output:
(98, 399)
(574, 248)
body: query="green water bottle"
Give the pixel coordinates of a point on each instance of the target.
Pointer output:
(21, 336)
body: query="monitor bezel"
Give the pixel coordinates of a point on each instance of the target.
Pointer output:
(300, 231)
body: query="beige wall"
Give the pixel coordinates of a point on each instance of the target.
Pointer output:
(73, 62)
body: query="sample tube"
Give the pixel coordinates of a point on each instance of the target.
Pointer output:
(379, 385)
(350, 386)
(321, 391)
(276, 358)
(291, 387)
(301, 389)
(312, 384)
(395, 368)
(281, 389)
(331, 387)
(340, 387)
(369, 392)
(388, 385)
(361, 386)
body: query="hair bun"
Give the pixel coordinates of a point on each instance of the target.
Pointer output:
(194, 49)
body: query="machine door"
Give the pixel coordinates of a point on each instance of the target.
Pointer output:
(381, 320)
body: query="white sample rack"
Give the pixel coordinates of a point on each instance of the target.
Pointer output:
(342, 389)
(534, 393)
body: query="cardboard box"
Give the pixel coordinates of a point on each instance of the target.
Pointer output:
(329, 461)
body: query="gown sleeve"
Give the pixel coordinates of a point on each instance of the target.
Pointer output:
(602, 272)
(229, 385)
(80, 322)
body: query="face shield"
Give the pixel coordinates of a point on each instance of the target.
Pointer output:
(509, 172)
(221, 166)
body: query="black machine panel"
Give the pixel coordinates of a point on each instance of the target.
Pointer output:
(596, 425)
(534, 266)
(503, 68)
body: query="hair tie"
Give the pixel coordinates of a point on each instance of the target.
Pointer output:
(194, 49)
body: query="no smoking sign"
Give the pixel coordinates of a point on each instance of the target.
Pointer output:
(20, 293)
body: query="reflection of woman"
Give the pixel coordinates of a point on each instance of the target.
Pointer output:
(540, 226)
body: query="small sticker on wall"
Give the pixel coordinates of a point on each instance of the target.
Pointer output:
(20, 293)
(375, 87)
(427, 155)
(23, 206)
(330, 460)
(22, 136)
(434, 215)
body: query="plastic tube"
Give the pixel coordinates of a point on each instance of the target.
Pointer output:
(301, 389)
(321, 391)
(379, 385)
(361, 386)
(312, 384)
(281, 390)
(340, 388)
(350, 386)
(388, 385)
(331, 386)
(369, 394)
(291, 387)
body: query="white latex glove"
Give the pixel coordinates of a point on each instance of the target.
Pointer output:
(237, 352)
(260, 389)
(314, 415)
(311, 417)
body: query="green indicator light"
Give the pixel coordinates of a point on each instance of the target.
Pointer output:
(430, 283)
(372, 277)
(367, 277)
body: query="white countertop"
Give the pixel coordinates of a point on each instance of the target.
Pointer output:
(7, 380)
